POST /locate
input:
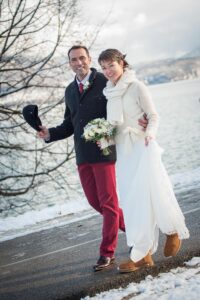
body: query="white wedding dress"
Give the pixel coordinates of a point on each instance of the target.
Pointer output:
(145, 191)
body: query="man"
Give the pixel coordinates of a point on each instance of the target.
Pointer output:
(85, 101)
(96, 171)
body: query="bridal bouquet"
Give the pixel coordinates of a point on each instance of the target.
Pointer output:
(101, 132)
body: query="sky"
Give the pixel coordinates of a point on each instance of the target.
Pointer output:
(146, 29)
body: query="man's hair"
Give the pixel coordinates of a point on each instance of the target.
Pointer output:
(78, 47)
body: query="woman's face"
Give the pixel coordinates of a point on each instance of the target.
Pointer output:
(112, 70)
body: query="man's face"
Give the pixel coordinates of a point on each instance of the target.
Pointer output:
(79, 62)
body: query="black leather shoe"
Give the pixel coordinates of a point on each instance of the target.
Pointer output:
(103, 263)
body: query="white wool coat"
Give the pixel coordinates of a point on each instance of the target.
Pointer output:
(128, 100)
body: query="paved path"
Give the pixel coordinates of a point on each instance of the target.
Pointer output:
(57, 263)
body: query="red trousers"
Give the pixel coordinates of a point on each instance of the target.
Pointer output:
(99, 184)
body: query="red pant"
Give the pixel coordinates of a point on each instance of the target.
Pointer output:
(99, 184)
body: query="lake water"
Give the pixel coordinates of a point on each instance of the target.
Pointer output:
(178, 104)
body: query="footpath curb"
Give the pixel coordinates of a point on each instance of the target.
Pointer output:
(122, 280)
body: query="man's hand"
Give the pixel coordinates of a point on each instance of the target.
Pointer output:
(44, 133)
(143, 122)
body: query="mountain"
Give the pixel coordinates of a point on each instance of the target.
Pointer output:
(193, 53)
(185, 67)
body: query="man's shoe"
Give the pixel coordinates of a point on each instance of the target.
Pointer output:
(172, 245)
(103, 263)
(131, 266)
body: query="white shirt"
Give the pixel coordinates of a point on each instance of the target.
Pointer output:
(84, 80)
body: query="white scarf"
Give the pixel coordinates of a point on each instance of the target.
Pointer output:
(114, 94)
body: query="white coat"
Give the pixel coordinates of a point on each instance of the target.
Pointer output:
(145, 191)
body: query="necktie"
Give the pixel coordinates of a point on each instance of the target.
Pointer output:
(80, 86)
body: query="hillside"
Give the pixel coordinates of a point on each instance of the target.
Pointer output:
(169, 70)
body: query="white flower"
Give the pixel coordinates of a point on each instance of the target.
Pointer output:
(101, 131)
(86, 85)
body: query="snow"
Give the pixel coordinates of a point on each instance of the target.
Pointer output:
(180, 283)
(49, 217)
(73, 210)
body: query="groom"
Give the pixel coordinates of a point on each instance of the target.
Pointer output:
(85, 101)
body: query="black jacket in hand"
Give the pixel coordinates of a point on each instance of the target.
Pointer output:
(80, 109)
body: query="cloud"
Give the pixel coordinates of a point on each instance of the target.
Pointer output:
(140, 19)
(145, 29)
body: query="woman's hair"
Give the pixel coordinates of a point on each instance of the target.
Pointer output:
(112, 55)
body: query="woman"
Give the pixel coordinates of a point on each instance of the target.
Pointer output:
(146, 193)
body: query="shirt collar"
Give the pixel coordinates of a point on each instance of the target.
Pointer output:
(84, 79)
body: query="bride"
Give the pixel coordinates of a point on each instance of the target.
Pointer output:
(145, 191)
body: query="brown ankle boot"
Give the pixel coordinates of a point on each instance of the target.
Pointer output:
(172, 245)
(131, 266)
(145, 261)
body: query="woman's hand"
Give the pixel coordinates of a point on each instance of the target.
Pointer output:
(98, 144)
(143, 122)
(147, 140)
(105, 142)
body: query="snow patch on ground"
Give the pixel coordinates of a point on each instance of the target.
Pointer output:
(180, 283)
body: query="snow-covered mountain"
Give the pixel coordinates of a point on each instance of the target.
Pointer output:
(185, 67)
(193, 53)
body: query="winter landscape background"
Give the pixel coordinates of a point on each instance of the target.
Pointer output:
(178, 105)
(40, 181)
(39, 185)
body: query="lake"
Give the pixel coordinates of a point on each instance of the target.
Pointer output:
(178, 104)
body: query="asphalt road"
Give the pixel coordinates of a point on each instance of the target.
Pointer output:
(57, 263)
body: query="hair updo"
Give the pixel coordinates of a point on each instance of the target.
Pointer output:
(113, 55)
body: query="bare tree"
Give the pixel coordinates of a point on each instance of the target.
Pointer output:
(32, 70)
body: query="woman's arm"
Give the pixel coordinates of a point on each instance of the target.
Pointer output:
(147, 105)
